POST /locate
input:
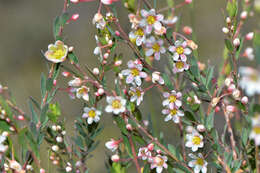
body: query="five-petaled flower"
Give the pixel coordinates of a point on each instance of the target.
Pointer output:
(116, 104)
(180, 66)
(151, 20)
(57, 52)
(112, 144)
(173, 114)
(154, 47)
(173, 99)
(198, 163)
(137, 36)
(159, 162)
(83, 92)
(194, 141)
(136, 94)
(92, 114)
(250, 80)
(134, 73)
(180, 51)
(144, 153)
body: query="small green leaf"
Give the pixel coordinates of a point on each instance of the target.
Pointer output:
(209, 121)
(43, 85)
(73, 58)
(229, 45)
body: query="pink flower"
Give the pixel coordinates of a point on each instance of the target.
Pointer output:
(112, 144)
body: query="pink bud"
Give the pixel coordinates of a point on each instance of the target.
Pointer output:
(187, 30)
(236, 42)
(217, 109)
(104, 62)
(75, 17)
(244, 100)
(20, 117)
(188, 1)
(231, 87)
(7, 120)
(250, 36)
(106, 55)
(54, 82)
(95, 71)
(42, 170)
(129, 127)
(74, 1)
(150, 147)
(108, 2)
(101, 91)
(243, 15)
(159, 151)
(230, 108)
(115, 158)
(117, 33)
(66, 74)
(118, 63)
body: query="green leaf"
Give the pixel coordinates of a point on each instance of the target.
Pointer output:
(229, 45)
(43, 85)
(43, 115)
(209, 76)
(34, 114)
(73, 58)
(54, 112)
(232, 8)
(121, 124)
(127, 145)
(49, 84)
(209, 121)
(167, 81)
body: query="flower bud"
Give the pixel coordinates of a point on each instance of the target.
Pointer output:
(20, 117)
(236, 42)
(5, 133)
(228, 20)
(59, 139)
(230, 108)
(101, 91)
(236, 94)
(106, 55)
(71, 48)
(55, 148)
(129, 127)
(75, 17)
(187, 30)
(225, 30)
(215, 101)
(150, 147)
(243, 15)
(68, 169)
(118, 63)
(54, 128)
(231, 88)
(201, 128)
(188, 1)
(66, 74)
(63, 132)
(74, 1)
(159, 151)
(189, 129)
(244, 100)
(228, 81)
(217, 109)
(95, 71)
(42, 170)
(250, 36)
(115, 158)
(117, 33)
(192, 44)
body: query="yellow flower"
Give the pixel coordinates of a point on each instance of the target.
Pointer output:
(57, 52)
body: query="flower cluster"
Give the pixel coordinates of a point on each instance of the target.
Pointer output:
(155, 158)
(172, 103)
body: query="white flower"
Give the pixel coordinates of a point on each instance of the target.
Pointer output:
(194, 141)
(173, 99)
(173, 114)
(154, 47)
(180, 50)
(14, 165)
(137, 36)
(99, 21)
(136, 94)
(250, 80)
(92, 114)
(115, 105)
(57, 52)
(170, 20)
(198, 163)
(255, 132)
(249, 53)
(144, 153)
(83, 92)
(157, 78)
(3, 147)
(75, 82)
(159, 162)
(112, 145)
(134, 73)
(180, 66)
(151, 20)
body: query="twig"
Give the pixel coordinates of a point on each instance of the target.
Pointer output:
(134, 154)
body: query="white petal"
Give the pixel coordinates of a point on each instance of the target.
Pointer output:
(167, 118)
(187, 51)
(149, 52)
(109, 109)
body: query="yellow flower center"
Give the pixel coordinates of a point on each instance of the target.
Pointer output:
(200, 161)
(151, 20)
(254, 77)
(159, 161)
(59, 53)
(82, 90)
(196, 140)
(92, 113)
(179, 50)
(156, 47)
(135, 72)
(172, 99)
(116, 104)
(179, 65)
(139, 32)
(256, 130)
(138, 93)
(173, 112)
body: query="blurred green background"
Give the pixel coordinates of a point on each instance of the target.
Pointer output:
(26, 29)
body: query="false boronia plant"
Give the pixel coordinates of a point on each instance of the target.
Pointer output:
(192, 95)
